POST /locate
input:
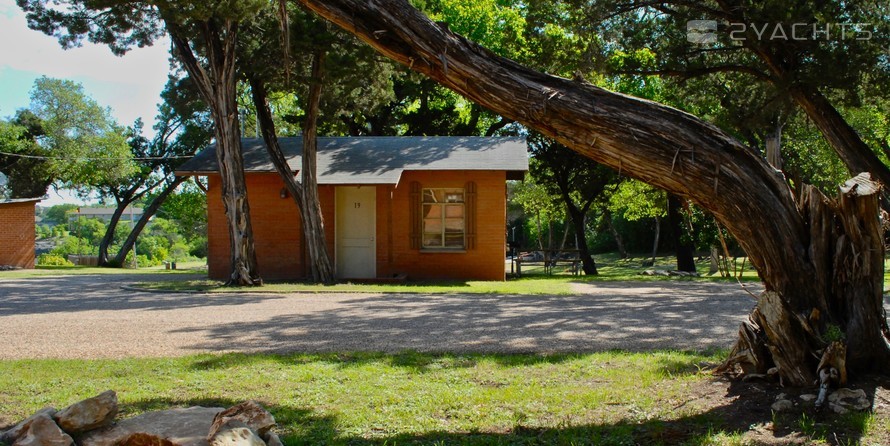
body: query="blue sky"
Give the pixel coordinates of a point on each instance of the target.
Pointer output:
(130, 85)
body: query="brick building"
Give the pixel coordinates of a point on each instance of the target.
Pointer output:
(423, 207)
(17, 233)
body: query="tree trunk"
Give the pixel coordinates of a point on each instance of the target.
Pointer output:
(657, 236)
(313, 222)
(108, 238)
(855, 153)
(683, 245)
(715, 260)
(298, 191)
(217, 86)
(677, 152)
(774, 147)
(147, 213)
(588, 265)
(607, 218)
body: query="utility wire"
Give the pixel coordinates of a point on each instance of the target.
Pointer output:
(62, 158)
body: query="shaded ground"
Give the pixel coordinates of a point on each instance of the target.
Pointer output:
(91, 317)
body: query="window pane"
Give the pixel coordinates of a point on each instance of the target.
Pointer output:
(432, 211)
(454, 196)
(428, 196)
(432, 225)
(454, 211)
(433, 240)
(454, 225)
(454, 240)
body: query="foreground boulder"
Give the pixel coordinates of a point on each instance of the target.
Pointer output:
(236, 433)
(175, 427)
(16, 431)
(249, 413)
(42, 431)
(88, 414)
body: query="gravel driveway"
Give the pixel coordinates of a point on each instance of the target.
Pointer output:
(91, 317)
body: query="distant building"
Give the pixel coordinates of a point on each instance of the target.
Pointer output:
(103, 213)
(18, 235)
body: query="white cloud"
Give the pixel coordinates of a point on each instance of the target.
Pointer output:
(130, 85)
(29, 50)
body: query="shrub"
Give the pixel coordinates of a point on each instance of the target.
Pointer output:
(53, 260)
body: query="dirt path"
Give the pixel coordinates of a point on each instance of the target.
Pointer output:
(91, 317)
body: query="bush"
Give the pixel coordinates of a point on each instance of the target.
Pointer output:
(74, 245)
(143, 261)
(52, 260)
(198, 247)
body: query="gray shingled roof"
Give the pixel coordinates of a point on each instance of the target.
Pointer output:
(379, 160)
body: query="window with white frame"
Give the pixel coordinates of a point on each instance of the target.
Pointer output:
(443, 218)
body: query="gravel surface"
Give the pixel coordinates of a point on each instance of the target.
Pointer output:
(91, 317)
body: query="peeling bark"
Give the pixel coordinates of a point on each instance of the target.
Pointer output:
(321, 268)
(217, 86)
(307, 201)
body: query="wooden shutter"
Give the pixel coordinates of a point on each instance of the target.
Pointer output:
(470, 211)
(414, 219)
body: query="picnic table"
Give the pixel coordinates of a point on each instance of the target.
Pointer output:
(549, 259)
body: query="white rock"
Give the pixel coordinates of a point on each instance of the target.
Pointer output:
(235, 433)
(850, 399)
(808, 397)
(782, 405)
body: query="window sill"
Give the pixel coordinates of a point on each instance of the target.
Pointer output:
(442, 251)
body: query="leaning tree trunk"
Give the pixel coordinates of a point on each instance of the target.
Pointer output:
(672, 150)
(321, 267)
(840, 135)
(217, 86)
(147, 214)
(843, 138)
(108, 238)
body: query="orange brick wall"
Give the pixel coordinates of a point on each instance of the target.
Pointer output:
(485, 262)
(278, 240)
(17, 234)
(276, 229)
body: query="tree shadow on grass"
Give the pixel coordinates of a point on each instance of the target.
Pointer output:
(744, 410)
(415, 362)
(679, 363)
(730, 409)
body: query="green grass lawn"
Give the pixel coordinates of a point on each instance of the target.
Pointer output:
(412, 398)
(533, 281)
(196, 267)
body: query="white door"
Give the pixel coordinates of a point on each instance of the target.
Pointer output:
(356, 226)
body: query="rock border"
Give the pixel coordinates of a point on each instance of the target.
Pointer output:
(91, 422)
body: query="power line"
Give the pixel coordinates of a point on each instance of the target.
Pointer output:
(62, 158)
